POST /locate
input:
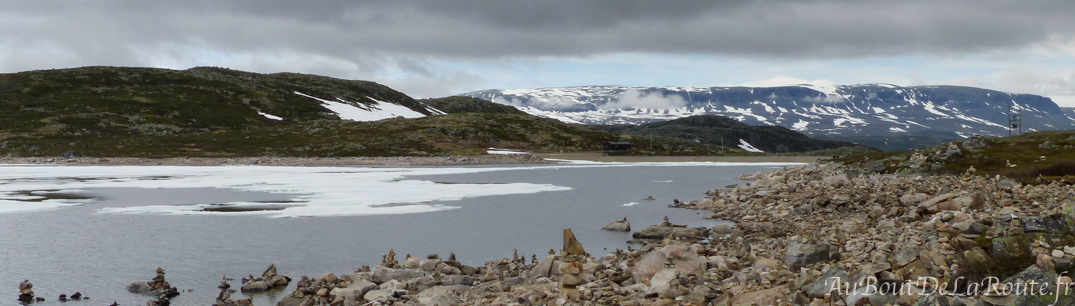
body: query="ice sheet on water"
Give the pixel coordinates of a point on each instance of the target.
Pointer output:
(497, 151)
(322, 191)
(316, 191)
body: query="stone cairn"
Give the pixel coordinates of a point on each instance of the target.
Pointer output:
(224, 298)
(572, 256)
(268, 280)
(26, 292)
(158, 287)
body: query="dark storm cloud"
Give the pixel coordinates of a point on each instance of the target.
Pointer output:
(369, 33)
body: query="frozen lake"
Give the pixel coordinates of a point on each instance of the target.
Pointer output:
(96, 229)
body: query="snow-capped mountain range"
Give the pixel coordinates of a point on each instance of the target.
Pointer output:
(846, 110)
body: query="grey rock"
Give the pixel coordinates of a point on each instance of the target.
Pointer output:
(912, 199)
(801, 254)
(1054, 224)
(377, 295)
(293, 301)
(619, 226)
(661, 281)
(544, 267)
(141, 287)
(382, 274)
(932, 299)
(819, 287)
(836, 180)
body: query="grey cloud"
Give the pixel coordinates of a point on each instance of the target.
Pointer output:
(494, 28)
(395, 42)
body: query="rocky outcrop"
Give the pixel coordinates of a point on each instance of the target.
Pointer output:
(158, 287)
(619, 226)
(667, 230)
(804, 254)
(268, 280)
(224, 298)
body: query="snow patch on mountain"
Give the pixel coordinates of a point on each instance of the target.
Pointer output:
(812, 107)
(378, 111)
(270, 116)
(746, 146)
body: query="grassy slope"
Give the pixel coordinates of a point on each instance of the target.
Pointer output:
(150, 101)
(1024, 151)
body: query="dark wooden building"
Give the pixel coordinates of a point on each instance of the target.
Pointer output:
(617, 145)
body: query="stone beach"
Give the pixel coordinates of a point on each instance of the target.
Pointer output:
(799, 230)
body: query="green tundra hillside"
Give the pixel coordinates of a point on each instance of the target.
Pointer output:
(204, 111)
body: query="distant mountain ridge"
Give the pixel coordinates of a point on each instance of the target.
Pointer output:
(836, 110)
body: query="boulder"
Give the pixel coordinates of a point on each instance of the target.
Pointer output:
(685, 259)
(411, 262)
(933, 202)
(544, 267)
(661, 281)
(821, 286)
(379, 295)
(440, 296)
(836, 180)
(383, 274)
(140, 287)
(572, 245)
(619, 226)
(430, 265)
(773, 296)
(973, 201)
(354, 290)
(802, 254)
(660, 232)
(913, 199)
(1053, 224)
(269, 280)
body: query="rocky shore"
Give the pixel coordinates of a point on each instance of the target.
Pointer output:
(282, 161)
(810, 235)
(807, 235)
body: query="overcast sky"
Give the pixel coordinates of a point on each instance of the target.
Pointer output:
(440, 48)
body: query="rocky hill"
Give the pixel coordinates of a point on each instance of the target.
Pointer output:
(150, 101)
(867, 111)
(1030, 158)
(148, 112)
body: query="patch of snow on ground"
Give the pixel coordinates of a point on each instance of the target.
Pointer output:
(503, 151)
(896, 130)
(743, 144)
(270, 116)
(379, 111)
